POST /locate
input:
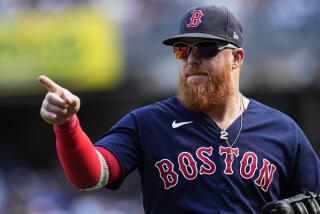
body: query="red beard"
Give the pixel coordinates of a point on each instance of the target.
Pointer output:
(199, 96)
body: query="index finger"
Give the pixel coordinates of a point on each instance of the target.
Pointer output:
(48, 83)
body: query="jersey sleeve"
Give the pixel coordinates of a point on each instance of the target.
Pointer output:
(122, 140)
(306, 167)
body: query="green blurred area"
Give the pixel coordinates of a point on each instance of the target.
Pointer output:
(78, 47)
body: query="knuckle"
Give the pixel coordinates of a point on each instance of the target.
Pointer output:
(45, 115)
(49, 108)
(42, 112)
(45, 105)
(50, 97)
(47, 96)
(66, 91)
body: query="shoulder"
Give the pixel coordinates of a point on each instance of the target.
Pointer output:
(161, 112)
(171, 105)
(260, 108)
(261, 112)
(274, 124)
(147, 118)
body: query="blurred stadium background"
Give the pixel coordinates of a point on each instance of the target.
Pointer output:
(109, 53)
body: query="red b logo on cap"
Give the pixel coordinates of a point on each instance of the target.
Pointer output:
(195, 18)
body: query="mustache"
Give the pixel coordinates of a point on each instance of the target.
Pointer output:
(192, 69)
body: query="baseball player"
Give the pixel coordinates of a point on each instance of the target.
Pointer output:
(208, 150)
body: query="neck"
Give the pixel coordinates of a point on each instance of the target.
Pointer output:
(224, 114)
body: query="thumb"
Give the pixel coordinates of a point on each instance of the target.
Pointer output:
(69, 98)
(73, 101)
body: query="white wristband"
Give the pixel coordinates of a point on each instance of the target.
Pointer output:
(104, 174)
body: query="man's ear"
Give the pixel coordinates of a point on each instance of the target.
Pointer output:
(238, 55)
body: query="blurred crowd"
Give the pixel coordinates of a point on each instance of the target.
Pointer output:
(281, 39)
(27, 191)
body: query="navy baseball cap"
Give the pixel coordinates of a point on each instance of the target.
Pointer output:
(209, 22)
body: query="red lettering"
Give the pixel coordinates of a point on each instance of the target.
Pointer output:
(195, 18)
(265, 175)
(210, 166)
(247, 169)
(189, 170)
(230, 152)
(191, 165)
(167, 173)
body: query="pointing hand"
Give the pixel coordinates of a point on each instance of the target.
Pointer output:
(59, 104)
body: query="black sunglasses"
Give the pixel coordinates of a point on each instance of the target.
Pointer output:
(203, 49)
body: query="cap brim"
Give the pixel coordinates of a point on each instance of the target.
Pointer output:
(182, 37)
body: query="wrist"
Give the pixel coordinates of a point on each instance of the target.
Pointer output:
(67, 126)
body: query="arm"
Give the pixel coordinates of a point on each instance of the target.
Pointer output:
(86, 166)
(306, 167)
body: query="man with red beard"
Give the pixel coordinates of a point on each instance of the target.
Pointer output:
(208, 150)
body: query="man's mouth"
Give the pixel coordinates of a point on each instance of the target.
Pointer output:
(198, 77)
(196, 74)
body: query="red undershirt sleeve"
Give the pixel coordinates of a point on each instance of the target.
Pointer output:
(78, 156)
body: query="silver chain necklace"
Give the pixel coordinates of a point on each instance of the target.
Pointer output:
(224, 134)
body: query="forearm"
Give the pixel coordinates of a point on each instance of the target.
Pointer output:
(80, 158)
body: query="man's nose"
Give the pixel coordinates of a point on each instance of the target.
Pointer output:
(193, 57)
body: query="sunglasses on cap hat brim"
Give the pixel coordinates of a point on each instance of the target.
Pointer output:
(201, 49)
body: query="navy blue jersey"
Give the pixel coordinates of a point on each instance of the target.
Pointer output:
(186, 168)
